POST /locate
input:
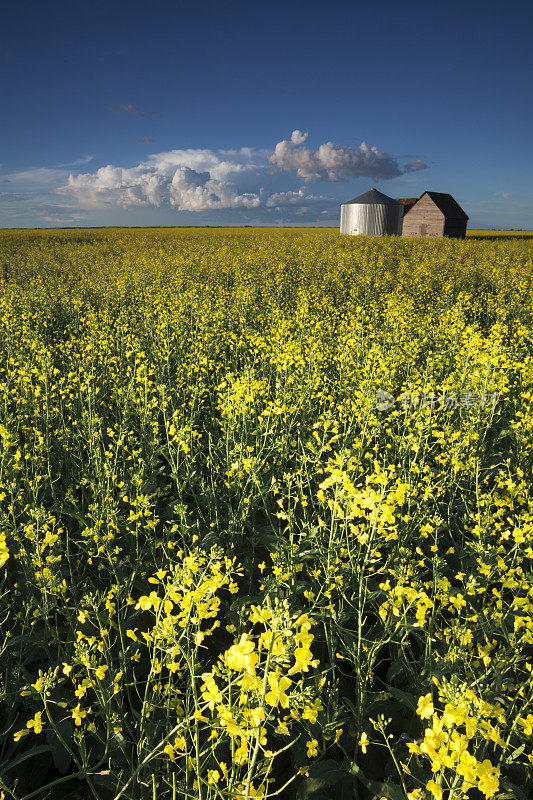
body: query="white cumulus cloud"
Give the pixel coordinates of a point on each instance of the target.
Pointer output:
(297, 137)
(219, 164)
(331, 162)
(201, 179)
(300, 198)
(190, 180)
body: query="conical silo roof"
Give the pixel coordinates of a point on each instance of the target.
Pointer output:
(373, 198)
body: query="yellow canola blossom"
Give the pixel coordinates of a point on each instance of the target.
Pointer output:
(252, 481)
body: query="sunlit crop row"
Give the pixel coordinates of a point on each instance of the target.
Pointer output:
(266, 515)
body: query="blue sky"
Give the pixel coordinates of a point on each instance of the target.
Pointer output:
(162, 113)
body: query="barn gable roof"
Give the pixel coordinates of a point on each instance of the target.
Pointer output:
(445, 203)
(373, 197)
(407, 202)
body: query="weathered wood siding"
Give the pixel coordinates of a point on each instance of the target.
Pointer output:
(424, 219)
(455, 228)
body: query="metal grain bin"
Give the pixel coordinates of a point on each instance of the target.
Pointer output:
(372, 214)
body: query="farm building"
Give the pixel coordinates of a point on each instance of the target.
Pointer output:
(407, 202)
(435, 214)
(372, 214)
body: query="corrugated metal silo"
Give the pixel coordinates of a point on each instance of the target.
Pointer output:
(372, 214)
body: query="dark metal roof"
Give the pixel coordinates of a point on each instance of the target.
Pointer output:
(407, 202)
(374, 198)
(445, 203)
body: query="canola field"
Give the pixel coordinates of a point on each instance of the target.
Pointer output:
(266, 516)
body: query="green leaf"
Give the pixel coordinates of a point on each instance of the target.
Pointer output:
(392, 791)
(305, 555)
(309, 789)
(388, 789)
(327, 770)
(60, 754)
(512, 792)
(34, 751)
(514, 755)
(374, 786)
(406, 698)
(396, 668)
(348, 702)
(322, 775)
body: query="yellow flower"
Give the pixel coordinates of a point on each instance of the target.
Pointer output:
(253, 793)
(251, 683)
(228, 721)
(210, 691)
(277, 690)
(100, 671)
(78, 714)
(146, 602)
(213, 776)
(527, 724)
(260, 614)
(311, 712)
(4, 552)
(467, 768)
(256, 716)
(363, 741)
(169, 750)
(458, 601)
(435, 789)
(303, 658)
(425, 707)
(312, 748)
(241, 657)
(488, 778)
(35, 723)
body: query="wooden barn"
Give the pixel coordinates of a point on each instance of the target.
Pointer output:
(434, 214)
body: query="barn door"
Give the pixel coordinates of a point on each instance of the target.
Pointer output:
(423, 229)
